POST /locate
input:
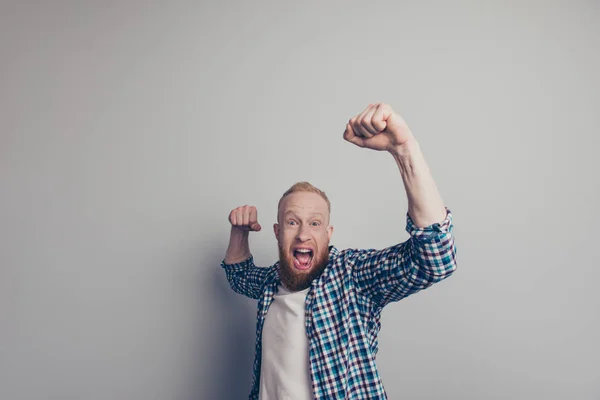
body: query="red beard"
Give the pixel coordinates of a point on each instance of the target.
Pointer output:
(295, 280)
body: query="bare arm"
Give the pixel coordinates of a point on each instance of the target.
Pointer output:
(378, 127)
(429, 255)
(425, 205)
(243, 220)
(243, 276)
(238, 249)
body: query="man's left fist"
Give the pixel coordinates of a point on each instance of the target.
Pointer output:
(378, 127)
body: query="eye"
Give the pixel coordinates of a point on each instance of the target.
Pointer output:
(315, 223)
(291, 222)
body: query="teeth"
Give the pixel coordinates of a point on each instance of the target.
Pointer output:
(303, 251)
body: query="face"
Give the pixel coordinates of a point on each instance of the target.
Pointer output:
(303, 234)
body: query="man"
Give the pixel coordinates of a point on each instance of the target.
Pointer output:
(319, 307)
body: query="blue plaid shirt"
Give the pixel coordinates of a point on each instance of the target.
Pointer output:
(343, 305)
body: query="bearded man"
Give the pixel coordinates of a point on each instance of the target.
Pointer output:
(319, 307)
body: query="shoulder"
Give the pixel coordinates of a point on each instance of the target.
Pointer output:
(346, 259)
(348, 255)
(355, 257)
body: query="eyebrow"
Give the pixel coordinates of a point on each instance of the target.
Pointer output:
(309, 216)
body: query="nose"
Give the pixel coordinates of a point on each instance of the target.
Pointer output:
(302, 235)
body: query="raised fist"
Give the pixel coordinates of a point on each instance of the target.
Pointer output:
(245, 218)
(378, 127)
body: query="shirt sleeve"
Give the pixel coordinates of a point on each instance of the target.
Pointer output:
(246, 278)
(391, 274)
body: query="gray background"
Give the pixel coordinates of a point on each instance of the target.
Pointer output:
(129, 130)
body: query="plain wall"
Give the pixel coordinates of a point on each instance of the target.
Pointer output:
(129, 130)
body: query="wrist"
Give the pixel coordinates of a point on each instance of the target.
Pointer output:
(405, 149)
(239, 233)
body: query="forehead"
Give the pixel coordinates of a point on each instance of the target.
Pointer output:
(303, 203)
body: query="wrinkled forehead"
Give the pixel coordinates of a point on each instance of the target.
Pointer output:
(303, 204)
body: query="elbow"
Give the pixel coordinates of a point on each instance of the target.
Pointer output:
(436, 259)
(448, 263)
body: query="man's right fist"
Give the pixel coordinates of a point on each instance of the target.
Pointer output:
(245, 218)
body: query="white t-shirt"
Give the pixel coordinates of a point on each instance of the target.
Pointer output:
(284, 373)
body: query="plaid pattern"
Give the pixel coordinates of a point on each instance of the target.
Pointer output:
(344, 304)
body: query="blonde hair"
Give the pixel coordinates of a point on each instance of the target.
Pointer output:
(304, 187)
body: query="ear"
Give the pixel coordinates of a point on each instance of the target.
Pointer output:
(276, 230)
(329, 232)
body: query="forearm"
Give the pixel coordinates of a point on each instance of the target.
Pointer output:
(239, 248)
(425, 205)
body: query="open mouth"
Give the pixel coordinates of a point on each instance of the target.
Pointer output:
(303, 258)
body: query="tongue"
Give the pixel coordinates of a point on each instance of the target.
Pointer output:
(304, 258)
